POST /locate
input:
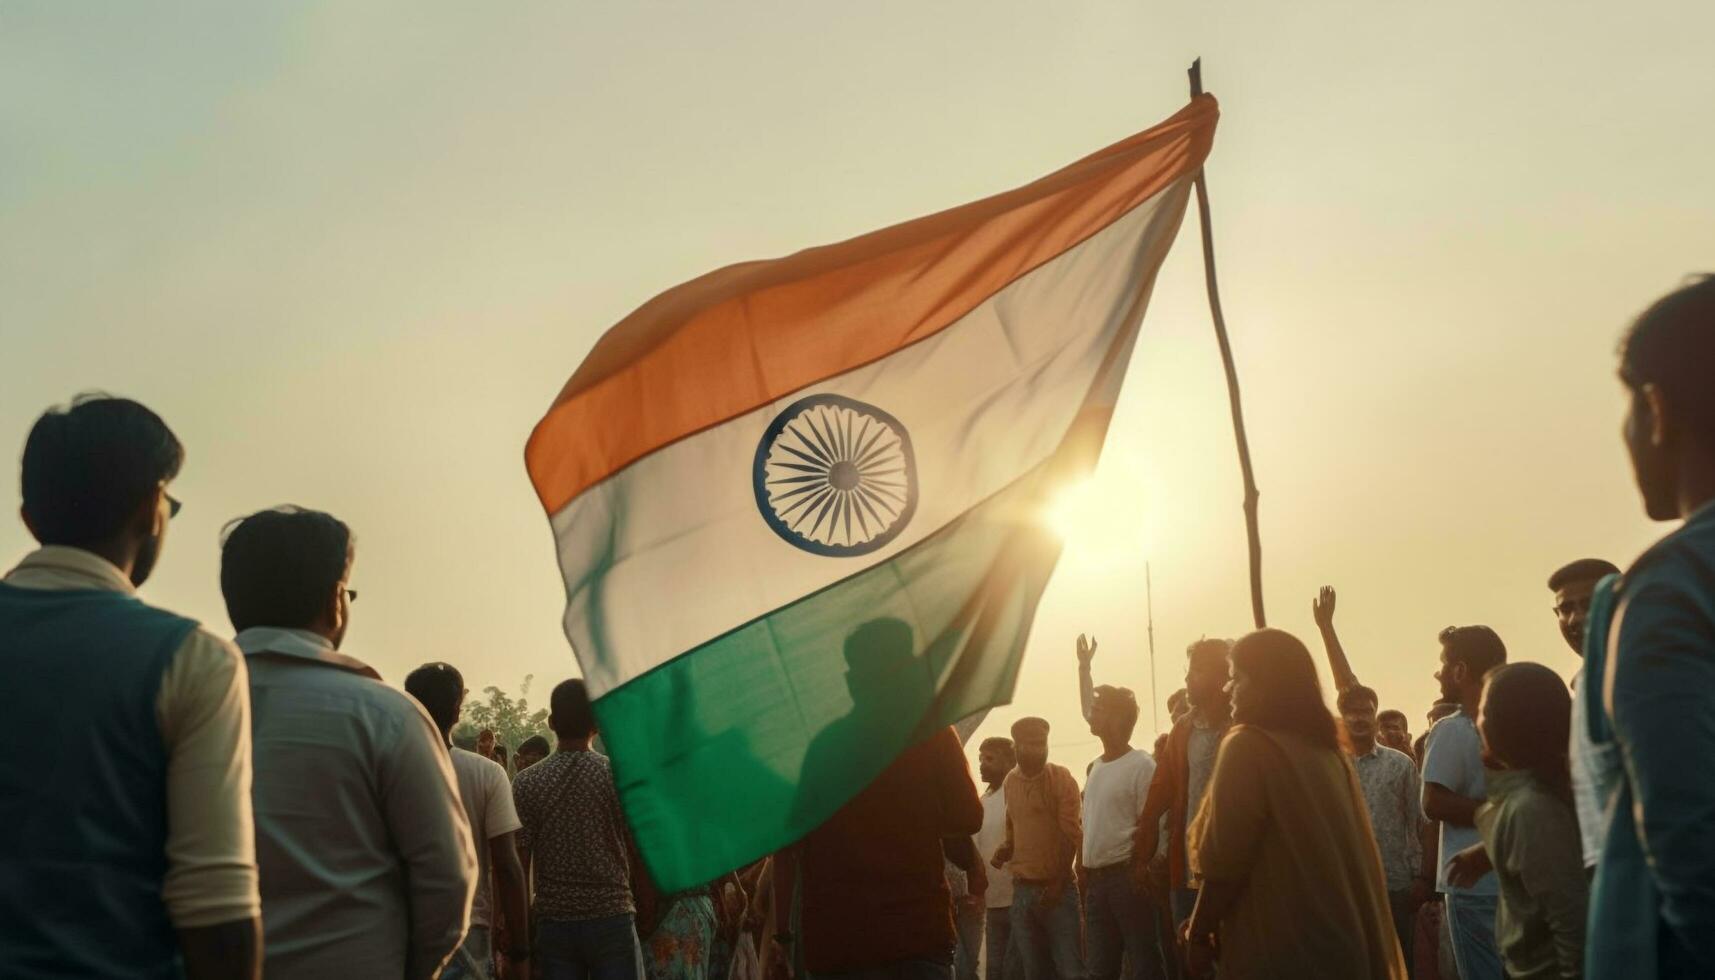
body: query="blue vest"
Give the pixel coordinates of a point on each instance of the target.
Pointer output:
(83, 785)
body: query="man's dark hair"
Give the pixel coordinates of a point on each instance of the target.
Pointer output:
(1355, 695)
(570, 712)
(439, 688)
(1672, 346)
(1030, 724)
(1124, 701)
(1582, 570)
(998, 743)
(88, 468)
(279, 567)
(1209, 648)
(1393, 714)
(534, 745)
(1479, 648)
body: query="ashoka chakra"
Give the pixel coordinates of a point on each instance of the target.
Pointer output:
(835, 476)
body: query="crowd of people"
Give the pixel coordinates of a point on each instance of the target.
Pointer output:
(204, 807)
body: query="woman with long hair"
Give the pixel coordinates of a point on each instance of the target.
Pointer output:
(1529, 826)
(1292, 881)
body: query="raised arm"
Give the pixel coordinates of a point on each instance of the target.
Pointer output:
(1322, 607)
(1086, 684)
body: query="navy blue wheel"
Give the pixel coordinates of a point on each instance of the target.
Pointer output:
(835, 476)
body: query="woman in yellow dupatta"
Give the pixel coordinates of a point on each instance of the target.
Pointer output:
(1292, 882)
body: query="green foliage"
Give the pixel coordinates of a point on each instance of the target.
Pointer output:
(511, 719)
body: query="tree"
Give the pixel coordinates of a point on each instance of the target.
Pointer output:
(511, 719)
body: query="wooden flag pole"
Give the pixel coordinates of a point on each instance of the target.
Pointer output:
(1254, 536)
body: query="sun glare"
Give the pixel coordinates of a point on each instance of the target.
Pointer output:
(1101, 518)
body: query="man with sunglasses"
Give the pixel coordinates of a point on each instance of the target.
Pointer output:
(368, 868)
(129, 847)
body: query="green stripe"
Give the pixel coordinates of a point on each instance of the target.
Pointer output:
(745, 744)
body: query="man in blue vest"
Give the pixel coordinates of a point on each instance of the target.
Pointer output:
(128, 848)
(1652, 913)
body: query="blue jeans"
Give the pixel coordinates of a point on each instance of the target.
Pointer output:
(588, 949)
(1048, 935)
(476, 952)
(1005, 962)
(927, 968)
(1471, 919)
(1120, 927)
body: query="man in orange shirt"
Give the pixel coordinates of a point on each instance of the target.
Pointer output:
(1044, 830)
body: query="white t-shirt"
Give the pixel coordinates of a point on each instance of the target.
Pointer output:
(1453, 757)
(487, 797)
(1113, 797)
(989, 839)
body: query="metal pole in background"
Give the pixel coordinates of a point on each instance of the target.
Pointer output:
(1154, 698)
(1253, 535)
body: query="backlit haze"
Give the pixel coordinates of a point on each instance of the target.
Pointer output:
(350, 252)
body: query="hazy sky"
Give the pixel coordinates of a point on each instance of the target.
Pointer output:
(351, 251)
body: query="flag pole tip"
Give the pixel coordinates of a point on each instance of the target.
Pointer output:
(1196, 73)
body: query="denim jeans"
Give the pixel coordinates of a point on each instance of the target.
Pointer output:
(472, 961)
(1005, 962)
(1472, 920)
(968, 921)
(1048, 936)
(926, 968)
(1184, 901)
(588, 949)
(1120, 927)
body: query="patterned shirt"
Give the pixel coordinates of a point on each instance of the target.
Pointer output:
(577, 837)
(1391, 789)
(1200, 751)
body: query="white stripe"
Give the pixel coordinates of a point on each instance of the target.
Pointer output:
(673, 551)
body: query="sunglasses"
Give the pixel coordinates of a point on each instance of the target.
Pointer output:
(173, 506)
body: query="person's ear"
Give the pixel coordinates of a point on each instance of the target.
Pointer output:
(1659, 425)
(150, 519)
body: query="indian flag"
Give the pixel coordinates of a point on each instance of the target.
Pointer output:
(797, 502)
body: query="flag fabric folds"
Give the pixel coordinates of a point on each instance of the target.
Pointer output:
(797, 502)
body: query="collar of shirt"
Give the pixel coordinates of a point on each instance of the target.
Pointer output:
(1375, 752)
(302, 644)
(1502, 783)
(1203, 724)
(61, 567)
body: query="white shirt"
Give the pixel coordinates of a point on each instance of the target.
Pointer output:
(1453, 758)
(367, 867)
(989, 840)
(1113, 797)
(487, 797)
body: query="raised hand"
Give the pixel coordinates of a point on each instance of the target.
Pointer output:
(1322, 607)
(1086, 649)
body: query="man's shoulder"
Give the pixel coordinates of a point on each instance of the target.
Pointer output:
(1394, 758)
(484, 768)
(1457, 725)
(1678, 563)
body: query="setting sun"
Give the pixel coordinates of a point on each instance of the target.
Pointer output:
(1101, 518)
